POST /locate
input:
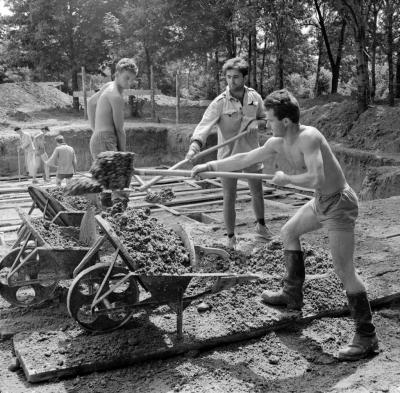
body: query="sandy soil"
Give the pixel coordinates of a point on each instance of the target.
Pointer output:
(300, 360)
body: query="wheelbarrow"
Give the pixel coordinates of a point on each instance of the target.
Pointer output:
(104, 297)
(31, 271)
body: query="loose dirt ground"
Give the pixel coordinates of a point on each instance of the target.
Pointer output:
(299, 360)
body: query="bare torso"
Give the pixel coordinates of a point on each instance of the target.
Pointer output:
(105, 111)
(292, 150)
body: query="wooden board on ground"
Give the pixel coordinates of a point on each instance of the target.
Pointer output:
(55, 354)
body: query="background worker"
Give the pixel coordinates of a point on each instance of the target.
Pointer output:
(106, 115)
(64, 158)
(334, 207)
(229, 112)
(26, 144)
(40, 153)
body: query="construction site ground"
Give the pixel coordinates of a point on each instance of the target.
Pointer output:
(246, 348)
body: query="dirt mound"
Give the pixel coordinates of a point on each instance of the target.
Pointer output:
(21, 98)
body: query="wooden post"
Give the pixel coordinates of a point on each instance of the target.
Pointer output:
(178, 98)
(84, 93)
(153, 104)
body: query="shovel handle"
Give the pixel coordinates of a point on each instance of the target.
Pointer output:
(204, 175)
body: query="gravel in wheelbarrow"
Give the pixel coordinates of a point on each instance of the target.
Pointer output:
(55, 235)
(155, 248)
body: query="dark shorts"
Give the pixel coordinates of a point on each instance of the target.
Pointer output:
(251, 169)
(61, 176)
(337, 211)
(102, 141)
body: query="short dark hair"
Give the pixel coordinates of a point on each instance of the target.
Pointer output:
(60, 139)
(127, 64)
(236, 64)
(284, 104)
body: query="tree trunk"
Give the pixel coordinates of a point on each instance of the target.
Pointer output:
(398, 75)
(389, 22)
(264, 54)
(336, 66)
(75, 87)
(317, 91)
(363, 97)
(254, 55)
(217, 72)
(249, 77)
(373, 52)
(148, 66)
(355, 12)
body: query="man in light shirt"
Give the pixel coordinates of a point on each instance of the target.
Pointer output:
(64, 159)
(230, 111)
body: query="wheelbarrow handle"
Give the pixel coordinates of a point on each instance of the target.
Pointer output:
(204, 175)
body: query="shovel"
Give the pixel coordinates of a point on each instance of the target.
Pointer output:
(204, 175)
(241, 134)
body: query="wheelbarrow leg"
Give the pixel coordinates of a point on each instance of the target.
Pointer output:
(179, 315)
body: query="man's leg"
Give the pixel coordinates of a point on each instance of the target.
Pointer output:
(46, 169)
(364, 341)
(257, 194)
(35, 167)
(291, 295)
(229, 187)
(58, 181)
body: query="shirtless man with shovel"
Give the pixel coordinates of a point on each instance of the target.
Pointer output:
(335, 207)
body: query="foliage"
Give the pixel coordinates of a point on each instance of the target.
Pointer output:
(281, 40)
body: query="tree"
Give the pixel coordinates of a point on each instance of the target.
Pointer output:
(323, 16)
(356, 14)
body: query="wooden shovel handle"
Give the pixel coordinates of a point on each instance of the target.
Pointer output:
(204, 175)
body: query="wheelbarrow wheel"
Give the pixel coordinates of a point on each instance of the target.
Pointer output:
(114, 311)
(24, 295)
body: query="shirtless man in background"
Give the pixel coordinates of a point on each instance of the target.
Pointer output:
(106, 111)
(334, 207)
(106, 117)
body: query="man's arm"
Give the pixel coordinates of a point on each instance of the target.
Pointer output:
(74, 161)
(117, 106)
(203, 129)
(315, 176)
(241, 160)
(53, 160)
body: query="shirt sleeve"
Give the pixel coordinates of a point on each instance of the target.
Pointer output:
(210, 118)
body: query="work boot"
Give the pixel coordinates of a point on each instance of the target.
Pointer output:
(365, 341)
(263, 231)
(291, 295)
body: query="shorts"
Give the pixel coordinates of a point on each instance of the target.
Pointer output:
(337, 211)
(102, 141)
(61, 176)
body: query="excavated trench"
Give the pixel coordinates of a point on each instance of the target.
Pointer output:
(372, 175)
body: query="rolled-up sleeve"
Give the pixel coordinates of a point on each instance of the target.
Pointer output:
(210, 118)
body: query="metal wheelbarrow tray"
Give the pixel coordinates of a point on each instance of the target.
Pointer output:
(104, 297)
(30, 272)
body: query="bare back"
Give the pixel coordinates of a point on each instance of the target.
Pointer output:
(109, 110)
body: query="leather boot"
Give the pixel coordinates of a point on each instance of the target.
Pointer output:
(291, 295)
(365, 341)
